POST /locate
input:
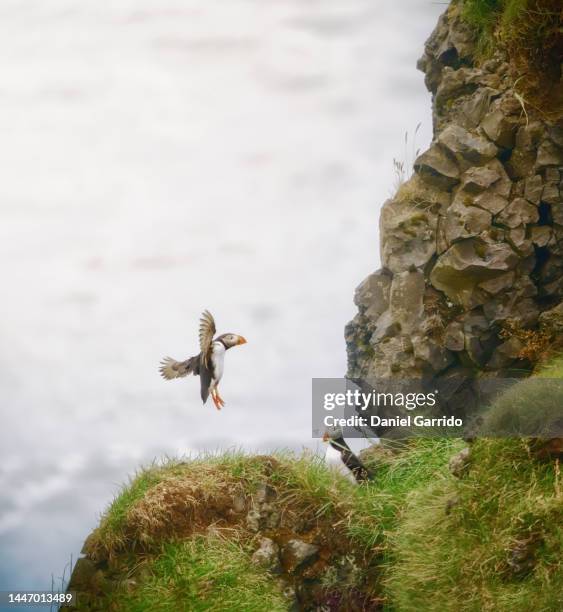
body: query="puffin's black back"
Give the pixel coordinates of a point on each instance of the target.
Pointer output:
(351, 461)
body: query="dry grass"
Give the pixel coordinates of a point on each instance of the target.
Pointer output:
(536, 344)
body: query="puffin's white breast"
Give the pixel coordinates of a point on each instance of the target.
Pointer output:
(218, 359)
(333, 459)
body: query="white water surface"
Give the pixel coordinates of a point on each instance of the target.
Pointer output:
(159, 157)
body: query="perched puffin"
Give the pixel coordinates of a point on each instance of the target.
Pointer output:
(340, 457)
(208, 365)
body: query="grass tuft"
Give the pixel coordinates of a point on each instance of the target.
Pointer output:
(205, 573)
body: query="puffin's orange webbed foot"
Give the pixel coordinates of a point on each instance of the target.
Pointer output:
(216, 400)
(219, 398)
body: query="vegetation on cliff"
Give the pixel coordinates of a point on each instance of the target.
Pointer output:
(531, 26)
(441, 528)
(531, 32)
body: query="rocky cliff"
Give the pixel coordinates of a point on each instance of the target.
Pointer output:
(472, 244)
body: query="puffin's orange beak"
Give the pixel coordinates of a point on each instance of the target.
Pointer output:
(241, 340)
(325, 436)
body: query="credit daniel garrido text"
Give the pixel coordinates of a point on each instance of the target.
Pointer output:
(358, 400)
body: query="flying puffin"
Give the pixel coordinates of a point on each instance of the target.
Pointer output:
(340, 457)
(208, 365)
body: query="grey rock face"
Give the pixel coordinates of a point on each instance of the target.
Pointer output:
(466, 264)
(465, 222)
(549, 154)
(500, 128)
(372, 296)
(475, 238)
(475, 108)
(477, 179)
(438, 167)
(552, 320)
(408, 236)
(268, 556)
(296, 554)
(533, 188)
(467, 148)
(519, 212)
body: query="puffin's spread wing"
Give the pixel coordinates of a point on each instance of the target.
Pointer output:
(206, 332)
(170, 368)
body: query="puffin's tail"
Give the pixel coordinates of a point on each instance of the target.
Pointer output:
(170, 368)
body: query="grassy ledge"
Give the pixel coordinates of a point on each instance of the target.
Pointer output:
(182, 535)
(530, 27)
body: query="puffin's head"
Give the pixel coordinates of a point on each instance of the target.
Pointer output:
(332, 433)
(230, 340)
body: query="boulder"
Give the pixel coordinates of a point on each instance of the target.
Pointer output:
(518, 212)
(556, 211)
(265, 493)
(500, 128)
(454, 83)
(469, 262)
(533, 187)
(551, 320)
(480, 341)
(523, 158)
(406, 299)
(478, 178)
(296, 554)
(510, 307)
(253, 520)
(552, 175)
(437, 167)
(465, 222)
(506, 353)
(454, 339)
(551, 194)
(408, 236)
(549, 154)
(491, 201)
(473, 110)
(487, 187)
(541, 235)
(467, 147)
(498, 284)
(519, 241)
(268, 556)
(451, 42)
(372, 295)
(432, 353)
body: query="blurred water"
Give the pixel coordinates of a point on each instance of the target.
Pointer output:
(160, 157)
